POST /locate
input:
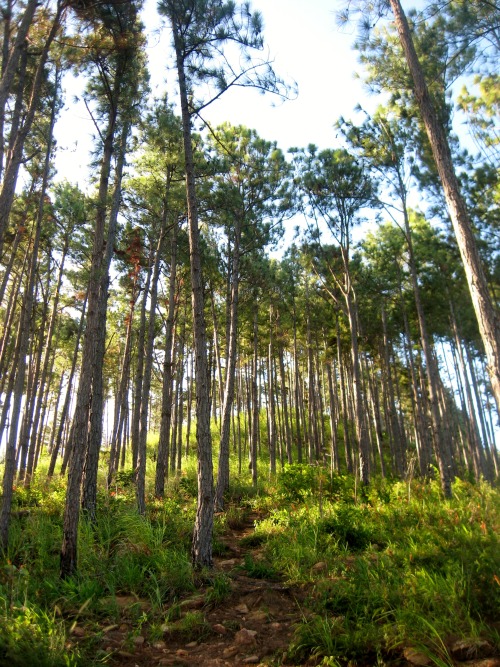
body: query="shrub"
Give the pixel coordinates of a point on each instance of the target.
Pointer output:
(348, 526)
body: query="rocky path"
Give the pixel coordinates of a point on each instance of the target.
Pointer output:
(253, 625)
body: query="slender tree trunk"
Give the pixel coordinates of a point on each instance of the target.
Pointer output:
(92, 347)
(121, 398)
(231, 347)
(180, 396)
(420, 416)
(217, 366)
(203, 528)
(140, 477)
(320, 399)
(313, 449)
(139, 369)
(52, 321)
(297, 389)
(19, 370)
(11, 58)
(360, 422)
(474, 438)
(374, 400)
(441, 446)
(334, 446)
(27, 446)
(343, 394)
(15, 154)
(399, 453)
(284, 402)
(89, 491)
(480, 414)
(255, 398)
(67, 398)
(272, 400)
(166, 402)
(487, 316)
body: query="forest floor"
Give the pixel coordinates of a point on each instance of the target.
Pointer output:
(252, 625)
(307, 571)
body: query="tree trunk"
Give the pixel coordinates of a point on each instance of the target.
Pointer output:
(399, 453)
(343, 394)
(19, 370)
(166, 401)
(334, 447)
(441, 446)
(91, 353)
(139, 370)
(474, 438)
(271, 398)
(284, 402)
(232, 342)
(11, 58)
(203, 528)
(121, 398)
(52, 321)
(298, 429)
(140, 477)
(15, 154)
(255, 398)
(89, 491)
(67, 398)
(359, 417)
(487, 316)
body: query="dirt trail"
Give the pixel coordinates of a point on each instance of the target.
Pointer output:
(252, 626)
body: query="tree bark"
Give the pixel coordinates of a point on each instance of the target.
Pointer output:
(15, 154)
(227, 406)
(203, 528)
(19, 371)
(140, 477)
(67, 398)
(487, 316)
(166, 401)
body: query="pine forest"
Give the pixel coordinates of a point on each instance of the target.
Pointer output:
(249, 393)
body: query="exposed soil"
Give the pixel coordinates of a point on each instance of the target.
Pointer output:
(252, 626)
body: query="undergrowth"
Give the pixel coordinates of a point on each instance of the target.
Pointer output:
(393, 567)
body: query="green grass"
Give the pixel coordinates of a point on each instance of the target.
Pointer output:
(192, 626)
(399, 568)
(401, 572)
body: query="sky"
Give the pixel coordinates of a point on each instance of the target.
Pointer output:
(305, 45)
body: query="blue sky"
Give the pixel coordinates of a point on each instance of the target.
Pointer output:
(305, 45)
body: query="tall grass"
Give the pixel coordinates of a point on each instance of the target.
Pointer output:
(393, 567)
(397, 570)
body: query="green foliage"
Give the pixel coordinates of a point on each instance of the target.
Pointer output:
(189, 485)
(348, 526)
(32, 637)
(259, 569)
(297, 481)
(219, 591)
(192, 626)
(401, 572)
(334, 638)
(402, 568)
(236, 517)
